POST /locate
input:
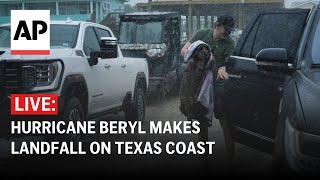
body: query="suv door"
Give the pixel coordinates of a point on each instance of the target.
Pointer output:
(253, 95)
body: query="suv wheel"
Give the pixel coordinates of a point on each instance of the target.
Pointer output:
(136, 110)
(73, 112)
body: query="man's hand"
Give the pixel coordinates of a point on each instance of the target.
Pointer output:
(222, 73)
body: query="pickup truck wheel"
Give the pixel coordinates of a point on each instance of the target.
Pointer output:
(73, 112)
(136, 110)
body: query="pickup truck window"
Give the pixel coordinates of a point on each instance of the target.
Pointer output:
(61, 36)
(5, 36)
(91, 42)
(102, 33)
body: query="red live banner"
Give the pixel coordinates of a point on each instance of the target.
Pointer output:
(34, 104)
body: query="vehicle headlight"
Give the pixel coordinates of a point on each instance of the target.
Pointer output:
(155, 53)
(46, 74)
(40, 74)
(310, 144)
(301, 149)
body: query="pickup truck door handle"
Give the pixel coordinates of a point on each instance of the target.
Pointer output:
(234, 76)
(107, 66)
(123, 65)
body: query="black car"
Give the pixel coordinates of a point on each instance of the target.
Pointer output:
(272, 98)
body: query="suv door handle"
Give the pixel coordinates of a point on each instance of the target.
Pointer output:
(123, 65)
(107, 66)
(234, 76)
(280, 88)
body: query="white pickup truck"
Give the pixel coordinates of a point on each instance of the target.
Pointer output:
(85, 68)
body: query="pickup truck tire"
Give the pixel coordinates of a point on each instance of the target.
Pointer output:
(136, 110)
(73, 112)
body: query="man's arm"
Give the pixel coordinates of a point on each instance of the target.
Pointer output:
(197, 36)
(222, 73)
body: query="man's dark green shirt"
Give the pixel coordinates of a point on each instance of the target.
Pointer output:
(221, 49)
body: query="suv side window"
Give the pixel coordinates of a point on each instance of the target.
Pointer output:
(271, 33)
(273, 29)
(247, 45)
(91, 42)
(313, 44)
(315, 53)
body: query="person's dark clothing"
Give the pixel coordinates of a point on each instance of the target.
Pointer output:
(221, 51)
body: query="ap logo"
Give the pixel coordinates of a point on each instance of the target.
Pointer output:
(30, 32)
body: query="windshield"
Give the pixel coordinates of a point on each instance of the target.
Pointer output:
(62, 36)
(146, 33)
(5, 36)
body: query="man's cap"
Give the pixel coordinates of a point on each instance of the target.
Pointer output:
(227, 21)
(192, 49)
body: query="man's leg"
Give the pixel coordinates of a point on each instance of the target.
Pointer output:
(219, 93)
(203, 137)
(229, 144)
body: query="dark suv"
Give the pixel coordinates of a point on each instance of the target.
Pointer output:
(272, 99)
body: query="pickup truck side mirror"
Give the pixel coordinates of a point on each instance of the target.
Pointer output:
(93, 60)
(109, 47)
(272, 59)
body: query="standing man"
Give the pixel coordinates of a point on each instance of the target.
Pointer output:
(222, 46)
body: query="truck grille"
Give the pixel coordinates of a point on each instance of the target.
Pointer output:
(12, 77)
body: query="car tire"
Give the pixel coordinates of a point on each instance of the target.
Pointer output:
(73, 108)
(73, 112)
(135, 111)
